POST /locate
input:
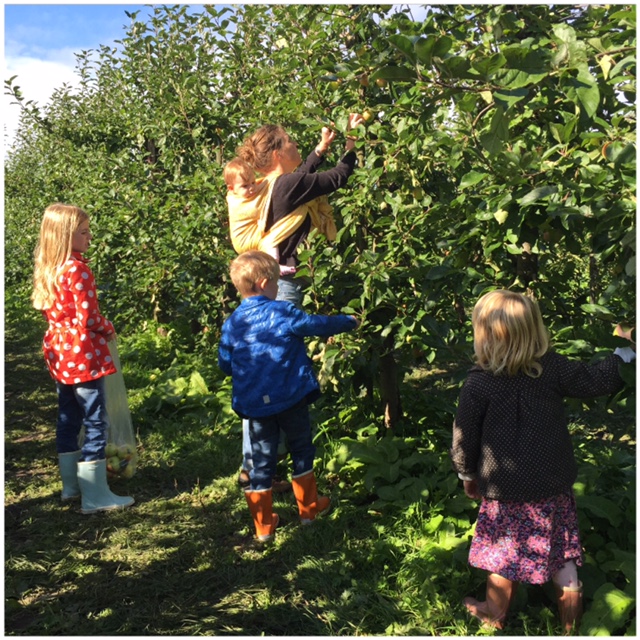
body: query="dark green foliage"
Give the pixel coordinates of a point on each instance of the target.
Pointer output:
(500, 152)
(391, 558)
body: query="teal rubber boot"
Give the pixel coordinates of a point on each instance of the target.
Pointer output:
(96, 495)
(68, 464)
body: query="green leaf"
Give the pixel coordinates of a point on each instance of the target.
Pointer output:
(471, 178)
(623, 561)
(630, 267)
(622, 65)
(515, 79)
(599, 311)
(538, 194)
(424, 49)
(563, 133)
(486, 67)
(507, 98)
(491, 142)
(439, 272)
(432, 525)
(393, 72)
(609, 611)
(389, 493)
(588, 93)
(455, 67)
(500, 124)
(197, 385)
(627, 156)
(627, 371)
(405, 46)
(601, 507)
(443, 46)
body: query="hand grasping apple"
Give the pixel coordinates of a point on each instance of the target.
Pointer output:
(326, 138)
(328, 135)
(355, 120)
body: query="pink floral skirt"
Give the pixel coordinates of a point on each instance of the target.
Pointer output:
(526, 541)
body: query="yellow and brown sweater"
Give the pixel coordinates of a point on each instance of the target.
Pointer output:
(284, 209)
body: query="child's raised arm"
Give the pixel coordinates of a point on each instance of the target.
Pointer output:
(306, 325)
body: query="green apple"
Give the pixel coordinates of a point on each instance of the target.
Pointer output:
(125, 452)
(113, 463)
(129, 470)
(110, 450)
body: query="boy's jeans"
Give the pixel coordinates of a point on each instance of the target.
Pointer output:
(290, 289)
(78, 404)
(265, 434)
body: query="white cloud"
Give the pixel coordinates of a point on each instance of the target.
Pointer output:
(37, 80)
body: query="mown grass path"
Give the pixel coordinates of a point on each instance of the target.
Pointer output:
(182, 561)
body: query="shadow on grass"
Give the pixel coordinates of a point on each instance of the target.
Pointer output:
(182, 560)
(176, 568)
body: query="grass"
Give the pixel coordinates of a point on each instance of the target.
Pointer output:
(183, 560)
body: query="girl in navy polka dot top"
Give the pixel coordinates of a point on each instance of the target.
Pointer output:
(512, 448)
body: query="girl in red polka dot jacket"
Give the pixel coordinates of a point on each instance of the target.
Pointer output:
(511, 447)
(77, 355)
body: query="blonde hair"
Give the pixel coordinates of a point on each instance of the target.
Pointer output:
(508, 334)
(258, 148)
(251, 267)
(237, 168)
(53, 249)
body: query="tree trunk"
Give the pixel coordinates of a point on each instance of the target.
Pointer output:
(389, 388)
(594, 279)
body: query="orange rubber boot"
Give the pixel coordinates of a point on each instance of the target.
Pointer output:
(310, 504)
(261, 507)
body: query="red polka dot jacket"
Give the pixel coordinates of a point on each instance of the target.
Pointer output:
(74, 345)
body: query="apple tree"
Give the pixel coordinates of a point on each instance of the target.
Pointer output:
(499, 151)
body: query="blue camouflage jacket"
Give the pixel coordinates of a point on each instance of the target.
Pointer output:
(262, 347)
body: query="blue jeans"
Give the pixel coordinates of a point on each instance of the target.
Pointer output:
(78, 404)
(290, 289)
(264, 434)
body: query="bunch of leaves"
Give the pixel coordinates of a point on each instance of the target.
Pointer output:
(515, 128)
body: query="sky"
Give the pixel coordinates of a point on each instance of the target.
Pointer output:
(41, 40)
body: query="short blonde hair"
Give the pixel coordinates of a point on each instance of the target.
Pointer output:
(59, 223)
(238, 168)
(250, 267)
(508, 333)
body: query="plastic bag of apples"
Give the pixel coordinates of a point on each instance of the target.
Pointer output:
(121, 451)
